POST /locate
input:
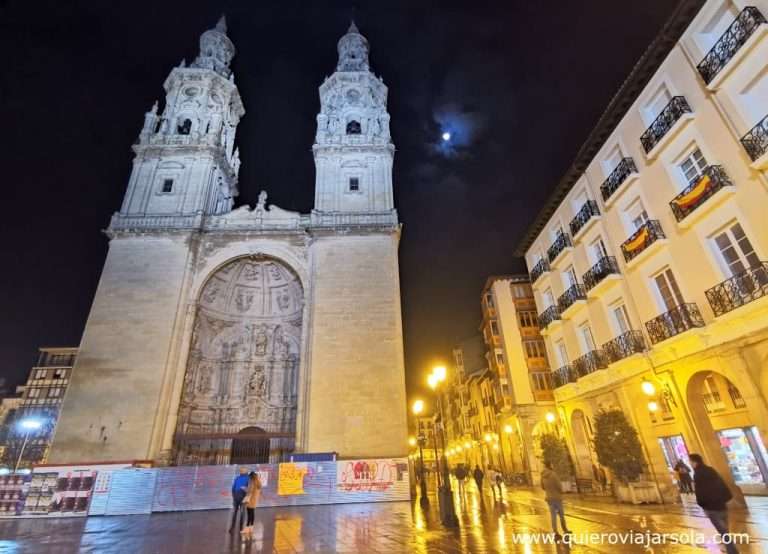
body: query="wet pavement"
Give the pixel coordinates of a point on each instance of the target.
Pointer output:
(485, 526)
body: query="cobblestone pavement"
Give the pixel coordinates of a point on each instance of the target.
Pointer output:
(485, 526)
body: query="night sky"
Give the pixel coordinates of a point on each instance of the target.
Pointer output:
(519, 84)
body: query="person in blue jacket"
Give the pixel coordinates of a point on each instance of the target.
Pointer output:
(239, 487)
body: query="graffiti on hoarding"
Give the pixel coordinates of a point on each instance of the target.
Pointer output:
(290, 478)
(367, 475)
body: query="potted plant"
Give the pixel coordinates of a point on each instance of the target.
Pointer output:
(555, 451)
(618, 448)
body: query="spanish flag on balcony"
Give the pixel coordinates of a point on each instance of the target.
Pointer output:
(637, 242)
(693, 195)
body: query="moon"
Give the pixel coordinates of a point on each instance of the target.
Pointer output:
(446, 136)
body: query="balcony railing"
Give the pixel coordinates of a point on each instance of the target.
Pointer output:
(624, 346)
(673, 111)
(574, 293)
(648, 233)
(729, 43)
(674, 322)
(755, 142)
(563, 376)
(590, 362)
(712, 180)
(587, 212)
(541, 266)
(548, 316)
(739, 290)
(562, 242)
(606, 266)
(619, 174)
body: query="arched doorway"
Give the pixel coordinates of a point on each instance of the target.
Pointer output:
(581, 445)
(250, 449)
(731, 440)
(242, 370)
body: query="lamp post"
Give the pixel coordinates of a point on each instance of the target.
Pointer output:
(28, 425)
(445, 494)
(418, 407)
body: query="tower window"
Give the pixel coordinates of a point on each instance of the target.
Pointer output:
(354, 184)
(167, 185)
(185, 127)
(353, 128)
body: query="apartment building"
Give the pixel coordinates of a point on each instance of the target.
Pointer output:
(648, 262)
(40, 401)
(521, 377)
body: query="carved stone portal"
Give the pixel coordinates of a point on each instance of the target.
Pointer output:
(244, 359)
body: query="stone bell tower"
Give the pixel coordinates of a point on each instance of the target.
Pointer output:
(353, 150)
(185, 162)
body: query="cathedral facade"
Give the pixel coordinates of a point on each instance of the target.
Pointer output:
(222, 335)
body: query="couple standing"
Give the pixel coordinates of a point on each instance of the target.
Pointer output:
(246, 489)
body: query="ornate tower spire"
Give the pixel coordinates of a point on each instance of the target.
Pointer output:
(353, 150)
(216, 50)
(186, 162)
(353, 51)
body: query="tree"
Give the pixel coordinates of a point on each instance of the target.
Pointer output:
(617, 445)
(555, 451)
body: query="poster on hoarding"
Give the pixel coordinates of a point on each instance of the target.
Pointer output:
(290, 478)
(13, 492)
(367, 475)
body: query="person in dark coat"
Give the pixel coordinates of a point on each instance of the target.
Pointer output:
(478, 475)
(712, 494)
(239, 488)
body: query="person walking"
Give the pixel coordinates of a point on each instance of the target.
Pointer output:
(491, 474)
(461, 474)
(478, 475)
(553, 494)
(239, 486)
(712, 494)
(251, 500)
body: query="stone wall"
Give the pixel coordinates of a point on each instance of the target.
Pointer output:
(356, 403)
(109, 409)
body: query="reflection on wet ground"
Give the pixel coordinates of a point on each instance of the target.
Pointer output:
(485, 525)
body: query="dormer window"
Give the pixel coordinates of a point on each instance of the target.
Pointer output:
(185, 127)
(353, 128)
(354, 184)
(167, 186)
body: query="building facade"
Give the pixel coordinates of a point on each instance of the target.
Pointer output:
(520, 371)
(40, 400)
(223, 335)
(648, 262)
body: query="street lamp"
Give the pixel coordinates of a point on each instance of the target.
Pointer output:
(445, 495)
(418, 407)
(28, 425)
(550, 417)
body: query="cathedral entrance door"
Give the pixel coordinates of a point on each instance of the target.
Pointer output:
(250, 450)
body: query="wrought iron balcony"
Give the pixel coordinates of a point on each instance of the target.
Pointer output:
(619, 174)
(574, 293)
(548, 316)
(648, 233)
(673, 111)
(755, 142)
(729, 43)
(562, 242)
(563, 376)
(624, 346)
(674, 322)
(541, 266)
(739, 290)
(712, 180)
(589, 363)
(587, 211)
(606, 266)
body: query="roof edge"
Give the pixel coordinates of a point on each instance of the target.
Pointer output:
(617, 108)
